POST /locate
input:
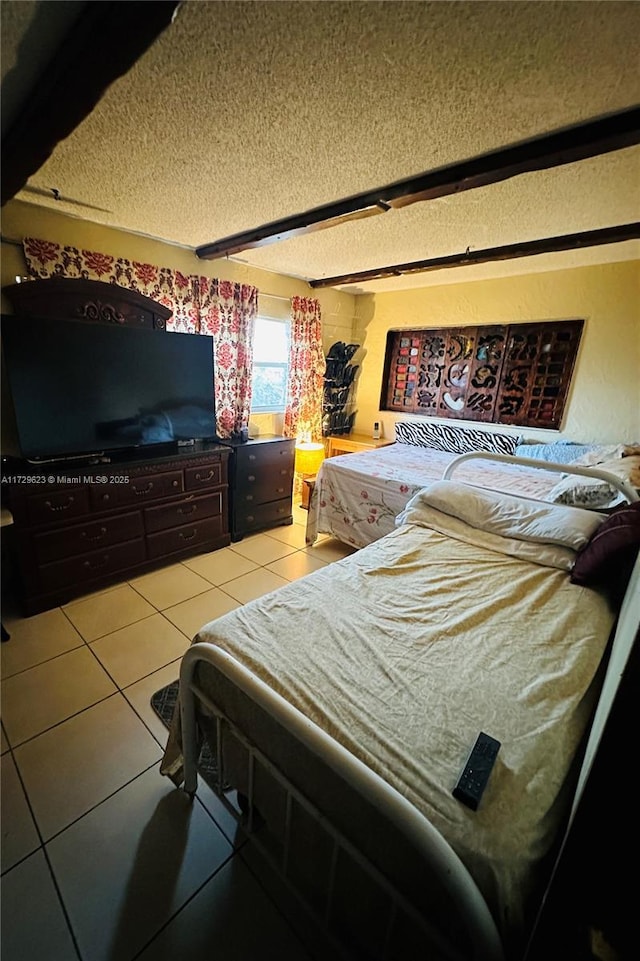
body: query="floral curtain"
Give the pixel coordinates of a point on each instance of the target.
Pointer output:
(199, 304)
(228, 311)
(303, 412)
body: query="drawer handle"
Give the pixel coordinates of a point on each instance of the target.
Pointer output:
(60, 507)
(251, 477)
(249, 497)
(249, 518)
(188, 537)
(279, 490)
(96, 565)
(175, 483)
(284, 472)
(252, 456)
(96, 537)
(140, 491)
(192, 509)
(209, 476)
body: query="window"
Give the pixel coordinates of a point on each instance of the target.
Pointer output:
(270, 365)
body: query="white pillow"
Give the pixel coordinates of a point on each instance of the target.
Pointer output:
(593, 491)
(599, 455)
(514, 517)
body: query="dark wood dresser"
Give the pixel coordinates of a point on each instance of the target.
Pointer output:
(261, 484)
(77, 529)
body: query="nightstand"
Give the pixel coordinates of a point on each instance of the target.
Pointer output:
(349, 443)
(308, 483)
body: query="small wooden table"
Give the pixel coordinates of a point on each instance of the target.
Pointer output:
(349, 443)
(308, 483)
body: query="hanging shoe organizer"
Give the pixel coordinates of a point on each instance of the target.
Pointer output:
(337, 408)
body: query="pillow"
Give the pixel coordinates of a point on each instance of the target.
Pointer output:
(454, 440)
(593, 491)
(556, 453)
(600, 454)
(608, 558)
(509, 516)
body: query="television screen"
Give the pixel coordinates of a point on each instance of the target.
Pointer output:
(83, 388)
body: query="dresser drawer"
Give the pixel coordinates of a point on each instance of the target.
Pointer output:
(142, 487)
(209, 475)
(185, 512)
(265, 456)
(264, 486)
(91, 535)
(263, 515)
(87, 567)
(184, 538)
(58, 505)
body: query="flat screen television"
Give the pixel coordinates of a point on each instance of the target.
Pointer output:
(80, 388)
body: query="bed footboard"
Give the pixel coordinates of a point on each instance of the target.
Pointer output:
(468, 932)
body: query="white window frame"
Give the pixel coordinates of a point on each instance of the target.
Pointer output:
(282, 365)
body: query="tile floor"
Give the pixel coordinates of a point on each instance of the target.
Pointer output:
(102, 858)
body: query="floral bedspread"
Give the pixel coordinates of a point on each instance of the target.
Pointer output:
(357, 496)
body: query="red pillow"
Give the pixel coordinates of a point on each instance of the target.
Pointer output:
(608, 558)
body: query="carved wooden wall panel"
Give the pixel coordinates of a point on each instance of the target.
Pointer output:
(509, 374)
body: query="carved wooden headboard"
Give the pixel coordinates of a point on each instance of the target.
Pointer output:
(91, 300)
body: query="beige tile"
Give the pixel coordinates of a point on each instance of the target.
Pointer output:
(232, 910)
(139, 697)
(262, 549)
(90, 594)
(19, 834)
(51, 692)
(220, 566)
(36, 639)
(293, 535)
(151, 850)
(300, 515)
(296, 565)
(170, 586)
(33, 922)
(104, 613)
(191, 615)
(74, 766)
(137, 650)
(253, 585)
(330, 549)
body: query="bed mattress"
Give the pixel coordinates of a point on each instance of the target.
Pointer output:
(358, 496)
(447, 638)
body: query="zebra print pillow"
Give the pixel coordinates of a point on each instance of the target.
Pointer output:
(454, 440)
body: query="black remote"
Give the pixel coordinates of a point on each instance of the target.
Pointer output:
(473, 779)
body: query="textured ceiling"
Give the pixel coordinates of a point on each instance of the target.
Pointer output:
(247, 112)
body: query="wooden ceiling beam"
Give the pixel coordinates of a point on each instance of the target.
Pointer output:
(529, 248)
(565, 146)
(101, 45)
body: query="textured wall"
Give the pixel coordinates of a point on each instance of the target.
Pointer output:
(604, 402)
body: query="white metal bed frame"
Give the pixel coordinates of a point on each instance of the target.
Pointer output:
(474, 915)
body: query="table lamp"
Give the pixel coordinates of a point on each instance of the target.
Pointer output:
(309, 456)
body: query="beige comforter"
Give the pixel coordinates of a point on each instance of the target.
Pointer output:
(407, 649)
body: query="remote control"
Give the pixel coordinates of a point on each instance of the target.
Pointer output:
(475, 775)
